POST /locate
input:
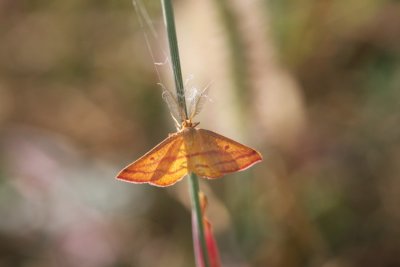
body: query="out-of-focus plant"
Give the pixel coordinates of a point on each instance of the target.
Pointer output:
(212, 248)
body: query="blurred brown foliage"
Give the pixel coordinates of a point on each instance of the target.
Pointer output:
(314, 85)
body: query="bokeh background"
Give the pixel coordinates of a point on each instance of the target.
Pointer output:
(314, 85)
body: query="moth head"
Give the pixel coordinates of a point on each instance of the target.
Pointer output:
(188, 124)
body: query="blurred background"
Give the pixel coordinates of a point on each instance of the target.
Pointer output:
(313, 85)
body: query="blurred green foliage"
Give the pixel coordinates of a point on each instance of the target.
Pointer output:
(79, 99)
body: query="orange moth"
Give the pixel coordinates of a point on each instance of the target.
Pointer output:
(191, 149)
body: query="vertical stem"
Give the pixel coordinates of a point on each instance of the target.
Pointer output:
(176, 66)
(169, 22)
(196, 207)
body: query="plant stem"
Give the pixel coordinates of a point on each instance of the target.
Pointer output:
(180, 92)
(196, 207)
(169, 22)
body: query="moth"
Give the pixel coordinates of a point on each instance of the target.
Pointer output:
(190, 149)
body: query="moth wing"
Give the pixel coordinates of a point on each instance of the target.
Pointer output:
(215, 155)
(164, 165)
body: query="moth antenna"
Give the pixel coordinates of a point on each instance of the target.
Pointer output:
(199, 101)
(177, 124)
(171, 101)
(188, 80)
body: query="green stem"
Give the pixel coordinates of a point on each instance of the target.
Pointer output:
(168, 13)
(196, 207)
(180, 92)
